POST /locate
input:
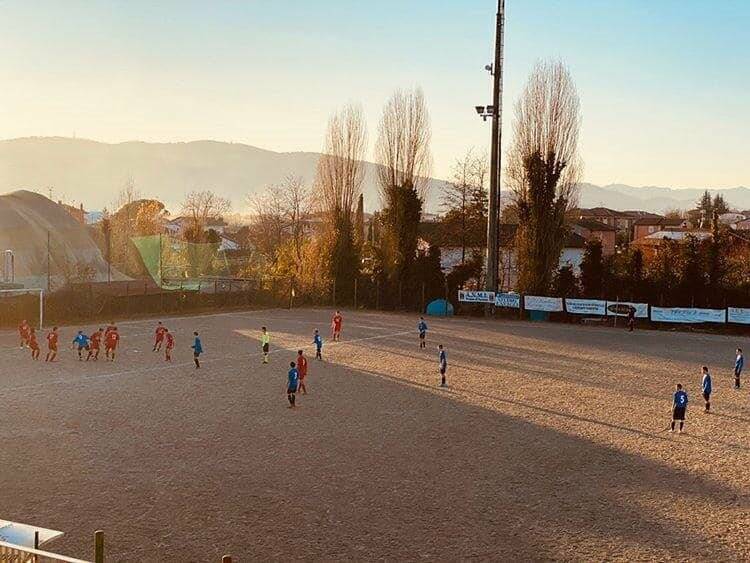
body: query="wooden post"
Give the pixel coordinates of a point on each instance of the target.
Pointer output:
(99, 546)
(334, 292)
(226, 559)
(355, 293)
(377, 294)
(422, 310)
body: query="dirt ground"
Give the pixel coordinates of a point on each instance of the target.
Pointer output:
(549, 444)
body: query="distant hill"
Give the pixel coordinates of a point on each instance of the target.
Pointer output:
(656, 199)
(90, 172)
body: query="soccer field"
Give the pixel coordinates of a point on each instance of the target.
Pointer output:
(549, 443)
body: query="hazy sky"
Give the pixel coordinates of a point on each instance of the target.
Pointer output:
(664, 84)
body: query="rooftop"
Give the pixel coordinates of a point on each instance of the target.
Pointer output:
(592, 225)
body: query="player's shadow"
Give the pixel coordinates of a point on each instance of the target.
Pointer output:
(689, 347)
(470, 482)
(549, 366)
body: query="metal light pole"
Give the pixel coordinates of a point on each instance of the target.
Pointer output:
(493, 221)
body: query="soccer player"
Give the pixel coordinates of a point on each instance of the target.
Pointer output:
(336, 323)
(679, 406)
(197, 350)
(739, 363)
(631, 318)
(318, 341)
(33, 344)
(422, 328)
(81, 341)
(265, 343)
(159, 336)
(52, 338)
(96, 345)
(442, 364)
(292, 384)
(302, 371)
(169, 345)
(111, 340)
(23, 332)
(707, 388)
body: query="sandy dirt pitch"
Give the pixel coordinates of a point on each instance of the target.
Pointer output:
(548, 444)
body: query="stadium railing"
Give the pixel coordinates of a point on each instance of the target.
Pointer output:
(17, 554)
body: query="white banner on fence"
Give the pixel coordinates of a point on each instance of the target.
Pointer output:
(685, 315)
(512, 300)
(738, 315)
(621, 309)
(535, 303)
(476, 296)
(586, 306)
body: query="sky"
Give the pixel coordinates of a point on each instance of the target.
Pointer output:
(663, 84)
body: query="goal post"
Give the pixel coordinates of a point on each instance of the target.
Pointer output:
(11, 293)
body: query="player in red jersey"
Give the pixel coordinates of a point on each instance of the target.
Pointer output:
(33, 344)
(111, 340)
(159, 336)
(52, 338)
(302, 370)
(95, 345)
(168, 344)
(336, 323)
(23, 332)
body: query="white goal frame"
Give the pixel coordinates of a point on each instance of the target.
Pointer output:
(25, 291)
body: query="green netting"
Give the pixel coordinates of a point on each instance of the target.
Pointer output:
(174, 263)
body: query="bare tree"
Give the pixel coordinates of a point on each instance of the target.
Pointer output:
(543, 170)
(465, 204)
(403, 152)
(340, 169)
(339, 182)
(268, 228)
(199, 207)
(280, 215)
(403, 146)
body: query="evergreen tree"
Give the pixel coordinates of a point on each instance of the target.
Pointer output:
(592, 269)
(719, 205)
(564, 283)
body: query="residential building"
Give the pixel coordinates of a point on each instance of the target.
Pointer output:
(650, 243)
(76, 212)
(594, 230)
(646, 226)
(177, 226)
(571, 255)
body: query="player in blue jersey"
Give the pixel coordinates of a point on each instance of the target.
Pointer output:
(442, 365)
(318, 341)
(81, 341)
(706, 387)
(679, 407)
(292, 384)
(739, 363)
(422, 328)
(197, 350)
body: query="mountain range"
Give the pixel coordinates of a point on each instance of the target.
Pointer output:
(81, 171)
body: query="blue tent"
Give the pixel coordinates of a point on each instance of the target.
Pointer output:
(440, 308)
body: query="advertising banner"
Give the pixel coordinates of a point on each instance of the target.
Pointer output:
(586, 306)
(738, 315)
(512, 300)
(476, 296)
(549, 304)
(687, 315)
(621, 308)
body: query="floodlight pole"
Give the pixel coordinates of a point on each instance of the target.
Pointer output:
(493, 219)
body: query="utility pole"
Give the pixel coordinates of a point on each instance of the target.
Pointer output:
(493, 219)
(49, 264)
